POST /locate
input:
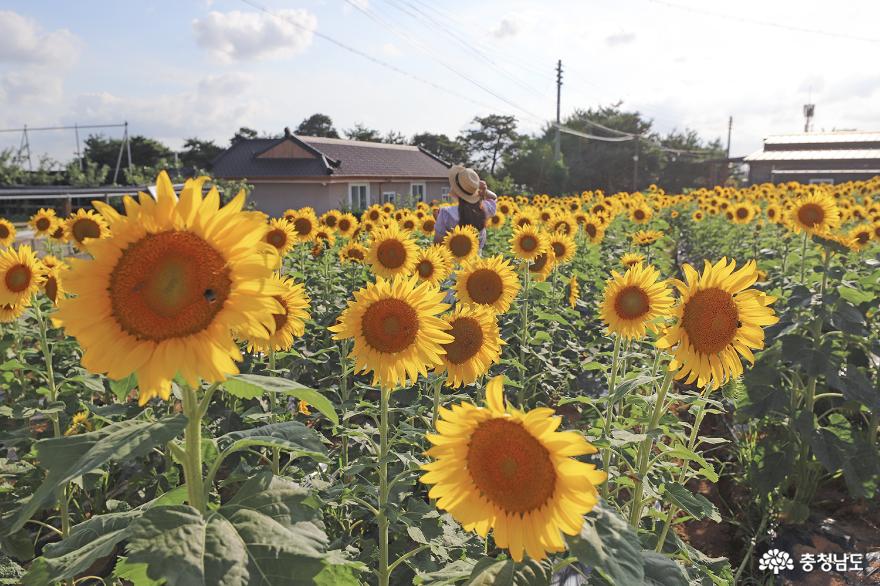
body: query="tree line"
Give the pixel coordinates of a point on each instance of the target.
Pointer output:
(510, 160)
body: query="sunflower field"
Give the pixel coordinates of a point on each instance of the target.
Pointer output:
(626, 389)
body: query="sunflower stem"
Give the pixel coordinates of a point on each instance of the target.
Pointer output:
(438, 383)
(644, 452)
(606, 431)
(343, 392)
(192, 468)
(273, 418)
(382, 518)
(803, 256)
(524, 336)
(61, 493)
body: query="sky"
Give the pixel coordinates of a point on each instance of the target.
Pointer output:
(175, 69)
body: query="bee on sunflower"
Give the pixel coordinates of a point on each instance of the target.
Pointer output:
(718, 318)
(502, 469)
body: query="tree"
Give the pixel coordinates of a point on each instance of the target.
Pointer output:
(244, 133)
(532, 163)
(317, 125)
(448, 149)
(692, 164)
(145, 152)
(361, 132)
(394, 137)
(492, 138)
(199, 153)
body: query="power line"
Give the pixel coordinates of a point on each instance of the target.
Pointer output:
(75, 127)
(788, 27)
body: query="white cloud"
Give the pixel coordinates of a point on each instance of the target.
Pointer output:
(390, 49)
(23, 41)
(506, 28)
(621, 38)
(242, 36)
(30, 87)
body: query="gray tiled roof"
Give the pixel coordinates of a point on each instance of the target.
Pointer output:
(341, 158)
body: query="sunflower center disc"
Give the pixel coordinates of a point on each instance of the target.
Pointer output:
(330, 221)
(356, 253)
(280, 318)
(510, 466)
(425, 269)
(742, 213)
(485, 286)
(344, 225)
(538, 265)
(276, 238)
(51, 288)
(559, 249)
(811, 214)
(468, 340)
(631, 303)
(85, 228)
(391, 254)
(640, 215)
(591, 230)
(42, 224)
(18, 278)
(303, 226)
(168, 285)
(428, 226)
(460, 245)
(710, 320)
(528, 243)
(390, 325)
(4, 231)
(409, 225)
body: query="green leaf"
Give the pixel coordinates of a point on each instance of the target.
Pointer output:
(251, 386)
(695, 505)
(88, 542)
(492, 572)
(608, 544)
(121, 388)
(67, 458)
(662, 571)
(134, 573)
(290, 436)
(267, 535)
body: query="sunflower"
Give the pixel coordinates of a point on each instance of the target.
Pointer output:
(594, 228)
(353, 252)
(475, 347)
(85, 225)
(52, 285)
(51, 261)
(289, 323)
(487, 281)
(374, 214)
(433, 264)
(59, 234)
(20, 275)
(641, 214)
(743, 213)
(392, 252)
(543, 265)
(463, 243)
(79, 423)
(574, 291)
(7, 232)
(280, 234)
(564, 223)
(164, 292)
(718, 319)
(397, 334)
(304, 225)
(496, 221)
(774, 213)
(427, 225)
(698, 216)
(876, 229)
(44, 222)
(631, 259)
(634, 300)
(646, 237)
(563, 247)
(861, 235)
(409, 222)
(330, 218)
(325, 237)
(814, 213)
(9, 313)
(502, 469)
(346, 225)
(528, 243)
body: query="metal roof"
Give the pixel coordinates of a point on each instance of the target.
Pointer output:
(871, 172)
(810, 155)
(823, 137)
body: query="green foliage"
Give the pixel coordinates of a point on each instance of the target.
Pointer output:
(249, 386)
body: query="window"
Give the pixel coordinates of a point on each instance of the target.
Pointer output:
(444, 193)
(389, 196)
(825, 180)
(417, 190)
(359, 196)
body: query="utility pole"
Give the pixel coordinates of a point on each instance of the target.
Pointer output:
(729, 129)
(557, 147)
(636, 165)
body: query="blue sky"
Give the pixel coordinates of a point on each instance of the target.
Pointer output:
(204, 68)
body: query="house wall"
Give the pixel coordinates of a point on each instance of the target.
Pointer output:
(762, 171)
(275, 197)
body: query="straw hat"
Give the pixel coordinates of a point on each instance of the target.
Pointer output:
(464, 183)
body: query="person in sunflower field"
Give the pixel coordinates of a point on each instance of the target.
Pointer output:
(476, 204)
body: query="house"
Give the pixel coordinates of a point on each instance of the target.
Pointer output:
(326, 173)
(816, 157)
